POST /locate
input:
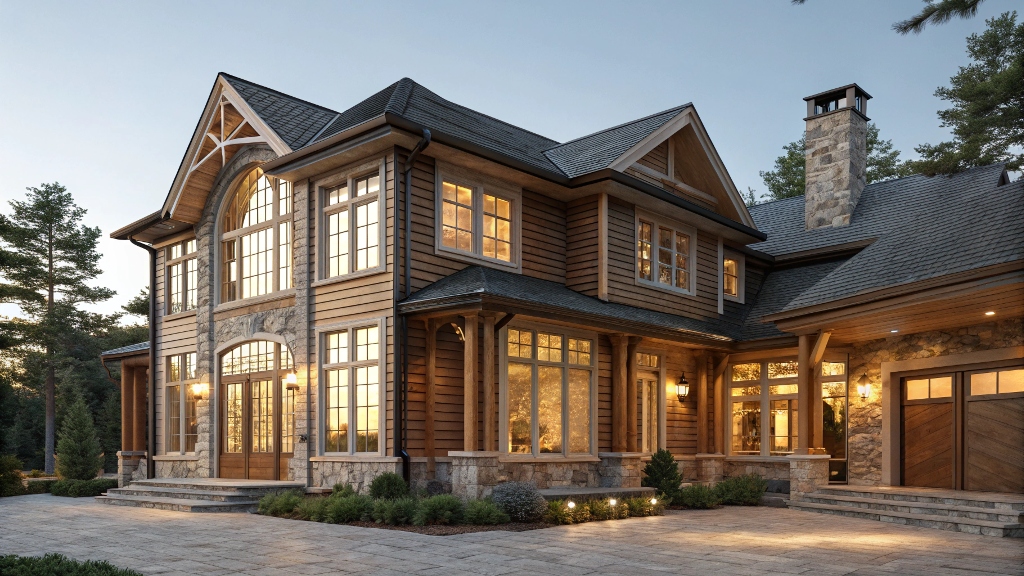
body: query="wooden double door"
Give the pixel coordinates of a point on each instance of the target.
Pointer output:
(257, 426)
(964, 429)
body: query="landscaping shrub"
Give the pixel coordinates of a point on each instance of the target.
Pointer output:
(10, 476)
(697, 496)
(346, 509)
(54, 564)
(558, 512)
(82, 488)
(341, 490)
(388, 486)
(78, 447)
(662, 474)
(394, 512)
(36, 473)
(313, 508)
(745, 490)
(280, 503)
(440, 509)
(603, 510)
(39, 486)
(641, 506)
(484, 512)
(520, 500)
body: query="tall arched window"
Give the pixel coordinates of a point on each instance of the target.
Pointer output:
(256, 238)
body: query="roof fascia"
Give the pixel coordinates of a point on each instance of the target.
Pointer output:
(664, 132)
(720, 169)
(141, 224)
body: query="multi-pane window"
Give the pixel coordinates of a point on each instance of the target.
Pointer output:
(664, 255)
(1003, 381)
(352, 230)
(732, 277)
(182, 276)
(182, 423)
(548, 393)
(352, 390)
(256, 241)
(253, 376)
(763, 408)
(476, 222)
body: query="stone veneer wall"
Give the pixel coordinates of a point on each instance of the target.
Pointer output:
(836, 153)
(474, 474)
(865, 417)
(356, 473)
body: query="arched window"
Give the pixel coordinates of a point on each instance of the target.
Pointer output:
(256, 238)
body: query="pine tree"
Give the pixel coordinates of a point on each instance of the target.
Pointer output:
(78, 450)
(662, 474)
(109, 425)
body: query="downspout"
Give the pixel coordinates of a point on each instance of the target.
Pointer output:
(310, 452)
(402, 402)
(151, 401)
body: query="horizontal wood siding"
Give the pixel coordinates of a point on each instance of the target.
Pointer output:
(680, 418)
(656, 159)
(581, 249)
(544, 237)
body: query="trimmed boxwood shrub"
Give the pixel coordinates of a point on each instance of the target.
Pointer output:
(440, 509)
(54, 564)
(40, 486)
(10, 476)
(520, 500)
(82, 488)
(388, 486)
(341, 490)
(346, 509)
(280, 503)
(395, 512)
(697, 496)
(483, 512)
(745, 490)
(313, 508)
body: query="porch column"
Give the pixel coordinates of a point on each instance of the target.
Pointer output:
(490, 410)
(720, 416)
(428, 418)
(139, 426)
(702, 402)
(127, 404)
(804, 394)
(632, 437)
(620, 345)
(470, 392)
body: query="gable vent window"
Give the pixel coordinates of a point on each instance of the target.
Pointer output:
(664, 255)
(182, 276)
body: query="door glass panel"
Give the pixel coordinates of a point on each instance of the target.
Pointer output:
(783, 421)
(262, 416)
(520, 379)
(549, 408)
(782, 389)
(649, 432)
(917, 389)
(747, 391)
(942, 387)
(746, 428)
(1011, 381)
(833, 416)
(234, 417)
(983, 383)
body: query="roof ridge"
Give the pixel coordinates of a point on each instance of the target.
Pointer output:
(649, 116)
(400, 97)
(278, 92)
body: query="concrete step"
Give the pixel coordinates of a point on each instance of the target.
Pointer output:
(182, 493)
(177, 504)
(967, 525)
(1004, 515)
(993, 500)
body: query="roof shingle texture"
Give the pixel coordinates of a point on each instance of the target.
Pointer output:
(295, 121)
(127, 349)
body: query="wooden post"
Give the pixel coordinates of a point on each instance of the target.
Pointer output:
(428, 419)
(632, 436)
(804, 394)
(817, 427)
(620, 345)
(720, 416)
(490, 410)
(469, 379)
(127, 405)
(139, 426)
(702, 402)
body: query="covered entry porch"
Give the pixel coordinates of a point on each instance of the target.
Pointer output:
(135, 410)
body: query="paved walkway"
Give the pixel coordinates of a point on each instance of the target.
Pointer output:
(725, 541)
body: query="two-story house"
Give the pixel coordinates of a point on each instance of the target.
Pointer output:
(413, 286)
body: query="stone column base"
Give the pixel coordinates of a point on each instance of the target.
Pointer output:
(474, 474)
(621, 469)
(806, 473)
(710, 468)
(130, 466)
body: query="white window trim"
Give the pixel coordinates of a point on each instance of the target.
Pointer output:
(741, 274)
(659, 373)
(691, 263)
(168, 262)
(503, 360)
(348, 176)
(321, 338)
(184, 387)
(480, 185)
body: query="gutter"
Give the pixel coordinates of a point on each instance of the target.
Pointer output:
(151, 416)
(310, 450)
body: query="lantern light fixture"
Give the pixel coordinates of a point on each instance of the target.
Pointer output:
(291, 381)
(199, 390)
(864, 387)
(682, 387)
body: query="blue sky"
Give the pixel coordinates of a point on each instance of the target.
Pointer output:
(103, 97)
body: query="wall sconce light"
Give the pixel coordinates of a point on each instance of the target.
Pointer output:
(864, 387)
(682, 387)
(291, 381)
(199, 389)
(458, 330)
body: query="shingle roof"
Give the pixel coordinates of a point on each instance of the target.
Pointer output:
(779, 289)
(140, 347)
(295, 121)
(483, 281)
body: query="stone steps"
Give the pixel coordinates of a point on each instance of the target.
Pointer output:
(989, 514)
(195, 495)
(183, 493)
(178, 504)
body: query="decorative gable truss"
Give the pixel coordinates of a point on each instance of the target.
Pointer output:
(228, 124)
(680, 157)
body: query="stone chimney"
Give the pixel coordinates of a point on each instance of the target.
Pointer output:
(836, 155)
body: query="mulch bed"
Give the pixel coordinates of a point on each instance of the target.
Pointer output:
(457, 529)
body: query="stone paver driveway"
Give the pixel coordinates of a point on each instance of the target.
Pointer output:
(724, 541)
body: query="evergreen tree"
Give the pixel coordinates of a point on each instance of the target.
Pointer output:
(987, 117)
(57, 257)
(109, 425)
(938, 12)
(139, 304)
(78, 450)
(662, 474)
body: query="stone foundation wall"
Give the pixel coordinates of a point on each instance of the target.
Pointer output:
(178, 469)
(769, 470)
(865, 416)
(475, 474)
(806, 474)
(127, 466)
(442, 473)
(356, 473)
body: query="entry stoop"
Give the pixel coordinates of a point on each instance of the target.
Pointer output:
(195, 495)
(987, 513)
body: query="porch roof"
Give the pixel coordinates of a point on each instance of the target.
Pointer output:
(479, 287)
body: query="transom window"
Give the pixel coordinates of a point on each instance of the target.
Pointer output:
(1009, 381)
(352, 226)
(182, 423)
(763, 399)
(548, 393)
(182, 276)
(352, 390)
(256, 241)
(664, 255)
(476, 222)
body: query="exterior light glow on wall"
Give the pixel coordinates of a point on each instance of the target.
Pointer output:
(199, 390)
(864, 387)
(990, 313)
(682, 388)
(291, 381)
(894, 331)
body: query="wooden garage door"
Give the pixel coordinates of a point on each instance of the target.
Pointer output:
(994, 447)
(929, 431)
